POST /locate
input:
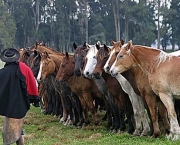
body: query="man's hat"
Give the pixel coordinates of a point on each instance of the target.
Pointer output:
(9, 55)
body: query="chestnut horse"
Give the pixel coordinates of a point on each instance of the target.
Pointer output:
(145, 90)
(128, 87)
(163, 74)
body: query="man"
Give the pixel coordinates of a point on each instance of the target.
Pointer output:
(17, 90)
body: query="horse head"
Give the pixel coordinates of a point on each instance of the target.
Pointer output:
(79, 54)
(34, 62)
(47, 67)
(66, 68)
(90, 60)
(102, 56)
(122, 59)
(112, 54)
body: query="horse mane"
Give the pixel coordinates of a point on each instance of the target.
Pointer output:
(51, 49)
(162, 57)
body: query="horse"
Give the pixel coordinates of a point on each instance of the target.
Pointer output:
(131, 90)
(115, 104)
(162, 70)
(145, 91)
(113, 85)
(49, 66)
(85, 89)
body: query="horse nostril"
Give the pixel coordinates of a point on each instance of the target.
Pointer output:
(107, 68)
(87, 73)
(111, 72)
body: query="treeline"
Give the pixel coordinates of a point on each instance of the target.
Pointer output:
(59, 23)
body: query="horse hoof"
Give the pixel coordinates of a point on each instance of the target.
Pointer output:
(155, 135)
(120, 131)
(114, 131)
(79, 127)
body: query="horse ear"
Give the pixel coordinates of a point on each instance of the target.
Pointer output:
(97, 46)
(98, 43)
(36, 43)
(112, 42)
(84, 45)
(122, 42)
(35, 52)
(74, 45)
(129, 45)
(67, 55)
(106, 48)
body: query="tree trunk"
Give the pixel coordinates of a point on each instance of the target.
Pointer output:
(158, 41)
(116, 18)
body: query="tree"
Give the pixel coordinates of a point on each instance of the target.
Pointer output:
(7, 27)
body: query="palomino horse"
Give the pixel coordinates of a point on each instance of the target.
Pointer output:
(84, 88)
(110, 88)
(49, 66)
(139, 110)
(144, 88)
(163, 74)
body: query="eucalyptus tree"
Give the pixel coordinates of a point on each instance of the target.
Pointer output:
(142, 27)
(7, 27)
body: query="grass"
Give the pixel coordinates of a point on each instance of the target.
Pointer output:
(43, 129)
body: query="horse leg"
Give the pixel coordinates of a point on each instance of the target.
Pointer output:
(137, 117)
(63, 119)
(164, 116)
(122, 119)
(129, 115)
(152, 105)
(85, 110)
(167, 99)
(78, 107)
(88, 99)
(145, 123)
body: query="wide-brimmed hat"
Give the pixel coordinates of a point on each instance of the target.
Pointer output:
(9, 55)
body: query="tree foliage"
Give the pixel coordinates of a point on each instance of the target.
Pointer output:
(59, 23)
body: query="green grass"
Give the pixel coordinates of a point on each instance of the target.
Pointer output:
(43, 129)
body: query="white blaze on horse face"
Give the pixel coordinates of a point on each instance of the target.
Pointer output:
(40, 71)
(117, 67)
(91, 61)
(114, 70)
(107, 62)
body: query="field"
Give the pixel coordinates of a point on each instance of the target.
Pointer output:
(43, 129)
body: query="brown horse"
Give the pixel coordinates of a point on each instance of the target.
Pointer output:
(163, 74)
(84, 88)
(144, 88)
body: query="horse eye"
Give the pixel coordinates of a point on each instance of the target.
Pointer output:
(116, 53)
(120, 56)
(106, 57)
(94, 57)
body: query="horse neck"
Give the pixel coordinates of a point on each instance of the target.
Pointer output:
(145, 58)
(57, 59)
(42, 49)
